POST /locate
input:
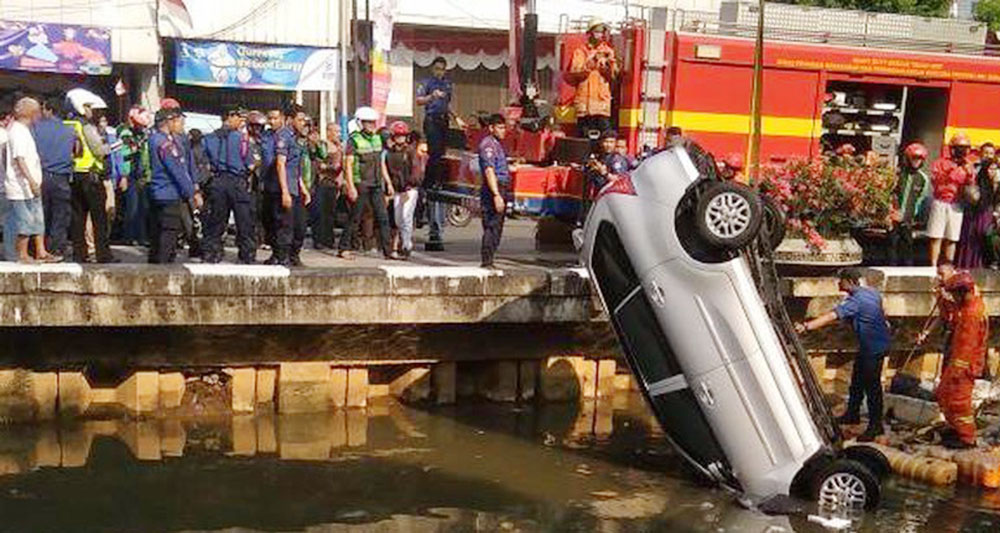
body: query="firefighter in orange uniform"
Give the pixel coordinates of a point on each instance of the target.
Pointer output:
(964, 313)
(591, 71)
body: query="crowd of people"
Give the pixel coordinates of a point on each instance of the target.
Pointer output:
(73, 184)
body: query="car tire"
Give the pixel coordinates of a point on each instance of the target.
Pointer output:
(875, 460)
(774, 223)
(729, 215)
(847, 484)
(458, 216)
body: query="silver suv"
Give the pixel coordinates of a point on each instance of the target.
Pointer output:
(681, 261)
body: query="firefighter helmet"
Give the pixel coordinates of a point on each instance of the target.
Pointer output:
(399, 128)
(960, 139)
(169, 103)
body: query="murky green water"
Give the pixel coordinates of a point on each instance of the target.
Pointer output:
(469, 468)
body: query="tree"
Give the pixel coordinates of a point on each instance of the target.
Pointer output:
(988, 11)
(923, 8)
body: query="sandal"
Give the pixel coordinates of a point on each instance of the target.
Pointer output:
(50, 258)
(346, 255)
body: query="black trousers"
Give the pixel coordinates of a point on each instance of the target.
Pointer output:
(866, 382)
(374, 197)
(57, 202)
(166, 226)
(87, 199)
(287, 226)
(229, 193)
(492, 229)
(901, 246)
(436, 134)
(323, 206)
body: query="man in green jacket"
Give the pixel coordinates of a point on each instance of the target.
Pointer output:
(913, 192)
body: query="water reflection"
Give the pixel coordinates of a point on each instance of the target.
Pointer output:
(601, 467)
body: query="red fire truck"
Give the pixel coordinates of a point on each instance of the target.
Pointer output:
(877, 96)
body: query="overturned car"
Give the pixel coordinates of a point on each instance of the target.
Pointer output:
(682, 263)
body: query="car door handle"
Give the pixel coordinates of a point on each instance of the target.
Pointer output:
(705, 394)
(656, 294)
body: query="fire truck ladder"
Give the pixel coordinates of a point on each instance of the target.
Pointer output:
(654, 69)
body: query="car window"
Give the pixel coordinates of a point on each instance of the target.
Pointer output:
(647, 346)
(612, 268)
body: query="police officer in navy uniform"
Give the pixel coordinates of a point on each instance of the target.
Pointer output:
(495, 193)
(285, 195)
(229, 154)
(435, 93)
(171, 186)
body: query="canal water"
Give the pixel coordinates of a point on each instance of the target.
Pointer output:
(601, 467)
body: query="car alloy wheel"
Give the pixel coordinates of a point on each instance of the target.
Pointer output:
(843, 490)
(728, 215)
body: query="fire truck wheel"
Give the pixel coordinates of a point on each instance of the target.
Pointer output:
(459, 216)
(729, 215)
(774, 222)
(849, 485)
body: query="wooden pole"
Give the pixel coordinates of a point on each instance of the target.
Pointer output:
(753, 148)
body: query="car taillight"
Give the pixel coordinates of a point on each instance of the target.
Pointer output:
(622, 185)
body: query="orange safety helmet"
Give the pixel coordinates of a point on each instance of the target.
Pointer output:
(960, 139)
(399, 128)
(915, 150)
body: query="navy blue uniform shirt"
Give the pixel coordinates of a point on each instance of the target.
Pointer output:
(437, 106)
(283, 142)
(863, 309)
(491, 155)
(171, 181)
(55, 145)
(227, 152)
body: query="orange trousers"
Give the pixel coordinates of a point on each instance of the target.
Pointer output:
(954, 396)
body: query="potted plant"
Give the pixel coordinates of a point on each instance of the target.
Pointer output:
(826, 200)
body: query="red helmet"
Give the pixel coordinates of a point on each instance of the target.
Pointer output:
(169, 103)
(399, 128)
(916, 150)
(734, 161)
(846, 149)
(960, 139)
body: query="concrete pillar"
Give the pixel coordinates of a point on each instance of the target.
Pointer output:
(444, 381)
(338, 429)
(142, 437)
(587, 370)
(338, 387)
(413, 386)
(243, 389)
(75, 446)
(357, 387)
(604, 418)
(498, 381)
(606, 369)
(45, 391)
(267, 434)
(559, 380)
(47, 450)
(140, 393)
(74, 394)
(266, 378)
(173, 438)
(357, 428)
(244, 436)
(303, 387)
(527, 380)
(172, 388)
(376, 391)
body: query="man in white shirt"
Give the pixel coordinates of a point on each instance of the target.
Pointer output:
(9, 237)
(23, 183)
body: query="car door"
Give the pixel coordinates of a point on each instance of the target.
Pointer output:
(650, 356)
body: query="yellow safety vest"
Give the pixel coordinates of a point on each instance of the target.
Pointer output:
(86, 162)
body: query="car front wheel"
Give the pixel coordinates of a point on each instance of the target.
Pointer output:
(729, 215)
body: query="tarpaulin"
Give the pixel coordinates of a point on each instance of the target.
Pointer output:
(248, 66)
(45, 47)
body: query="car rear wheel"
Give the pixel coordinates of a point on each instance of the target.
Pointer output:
(849, 485)
(729, 215)
(774, 223)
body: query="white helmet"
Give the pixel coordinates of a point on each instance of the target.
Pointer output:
(366, 114)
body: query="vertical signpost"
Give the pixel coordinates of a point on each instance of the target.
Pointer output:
(753, 148)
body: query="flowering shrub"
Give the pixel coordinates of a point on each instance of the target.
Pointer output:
(825, 198)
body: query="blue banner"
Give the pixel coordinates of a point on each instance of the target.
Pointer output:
(252, 66)
(44, 47)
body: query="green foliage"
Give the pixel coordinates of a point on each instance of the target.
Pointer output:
(988, 11)
(925, 8)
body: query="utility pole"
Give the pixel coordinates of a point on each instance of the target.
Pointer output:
(758, 89)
